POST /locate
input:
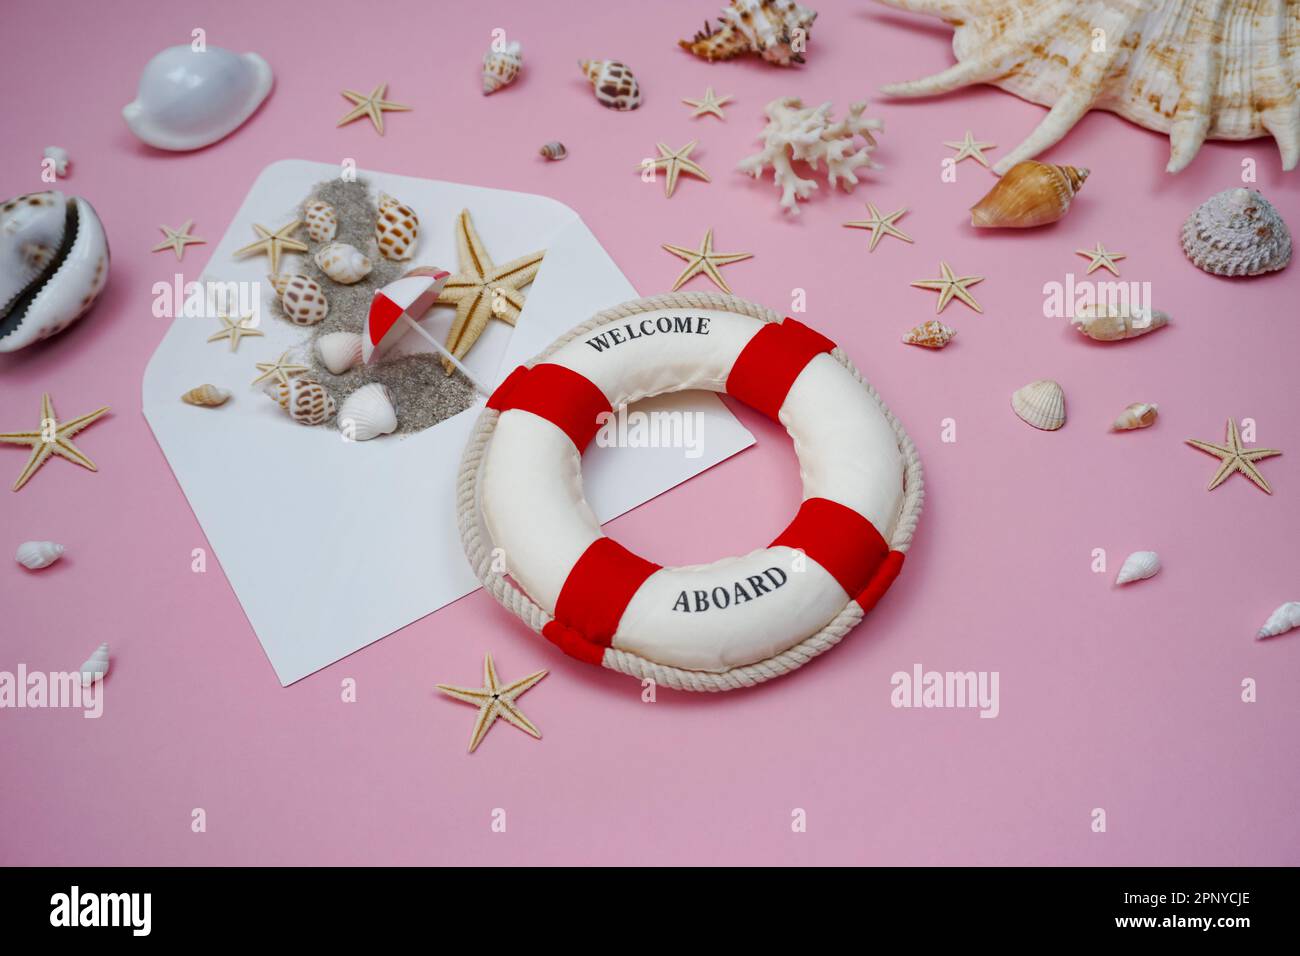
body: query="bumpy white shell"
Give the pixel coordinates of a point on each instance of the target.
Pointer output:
(1041, 404)
(339, 351)
(38, 554)
(1138, 566)
(60, 157)
(96, 666)
(53, 264)
(343, 263)
(1285, 618)
(1237, 233)
(776, 30)
(397, 228)
(1106, 323)
(190, 98)
(301, 298)
(321, 220)
(1137, 415)
(501, 67)
(613, 82)
(1188, 68)
(306, 401)
(367, 413)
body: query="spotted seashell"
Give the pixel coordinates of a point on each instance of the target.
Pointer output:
(613, 82)
(301, 298)
(1041, 404)
(208, 396)
(554, 150)
(343, 263)
(322, 222)
(501, 67)
(1237, 233)
(306, 400)
(396, 228)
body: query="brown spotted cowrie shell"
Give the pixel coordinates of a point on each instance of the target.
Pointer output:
(396, 228)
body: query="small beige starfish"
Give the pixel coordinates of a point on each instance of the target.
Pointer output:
(52, 437)
(710, 104)
(705, 261)
(968, 147)
(273, 244)
(482, 291)
(675, 161)
(951, 286)
(880, 226)
(234, 331)
(493, 701)
(374, 106)
(280, 370)
(1235, 457)
(177, 239)
(1101, 259)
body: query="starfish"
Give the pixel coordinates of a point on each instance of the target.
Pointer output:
(1101, 259)
(177, 239)
(493, 701)
(280, 370)
(705, 260)
(52, 437)
(373, 106)
(969, 147)
(482, 291)
(675, 161)
(880, 226)
(951, 286)
(709, 104)
(234, 331)
(1235, 457)
(273, 244)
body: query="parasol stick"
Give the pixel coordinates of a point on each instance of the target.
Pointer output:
(447, 355)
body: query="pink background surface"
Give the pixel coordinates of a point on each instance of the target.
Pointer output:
(1123, 699)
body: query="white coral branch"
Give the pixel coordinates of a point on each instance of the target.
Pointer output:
(806, 134)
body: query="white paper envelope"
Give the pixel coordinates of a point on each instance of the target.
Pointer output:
(330, 545)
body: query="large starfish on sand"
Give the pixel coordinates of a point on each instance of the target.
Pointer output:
(482, 291)
(52, 437)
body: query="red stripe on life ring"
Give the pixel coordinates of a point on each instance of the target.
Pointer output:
(839, 539)
(594, 597)
(881, 580)
(769, 364)
(566, 399)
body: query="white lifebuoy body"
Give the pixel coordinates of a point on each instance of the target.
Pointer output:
(730, 623)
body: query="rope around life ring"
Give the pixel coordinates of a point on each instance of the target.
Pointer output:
(733, 623)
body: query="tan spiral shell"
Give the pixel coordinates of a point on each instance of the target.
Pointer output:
(1030, 194)
(553, 150)
(501, 67)
(208, 396)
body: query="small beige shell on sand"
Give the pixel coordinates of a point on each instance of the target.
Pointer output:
(1137, 415)
(35, 555)
(339, 351)
(613, 82)
(397, 228)
(301, 298)
(501, 67)
(1138, 566)
(306, 400)
(343, 263)
(554, 150)
(1285, 618)
(368, 413)
(1237, 233)
(321, 219)
(96, 666)
(931, 335)
(206, 396)
(1041, 404)
(1107, 323)
(1030, 194)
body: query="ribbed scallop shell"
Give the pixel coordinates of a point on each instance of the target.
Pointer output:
(321, 220)
(367, 413)
(301, 298)
(208, 396)
(339, 351)
(614, 84)
(306, 400)
(343, 263)
(35, 555)
(931, 335)
(1195, 69)
(1138, 566)
(1237, 233)
(1041, 404)
(397, 228)
(501, 67)
(776, 30)
(1030, 194)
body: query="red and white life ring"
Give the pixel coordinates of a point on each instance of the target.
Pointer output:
(735, 622)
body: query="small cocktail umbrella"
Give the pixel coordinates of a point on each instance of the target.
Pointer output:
(395, 309)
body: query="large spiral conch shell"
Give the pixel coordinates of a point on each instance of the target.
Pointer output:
(1030, 194)
(1237, 233)
(776, 30)
(1189, 68)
